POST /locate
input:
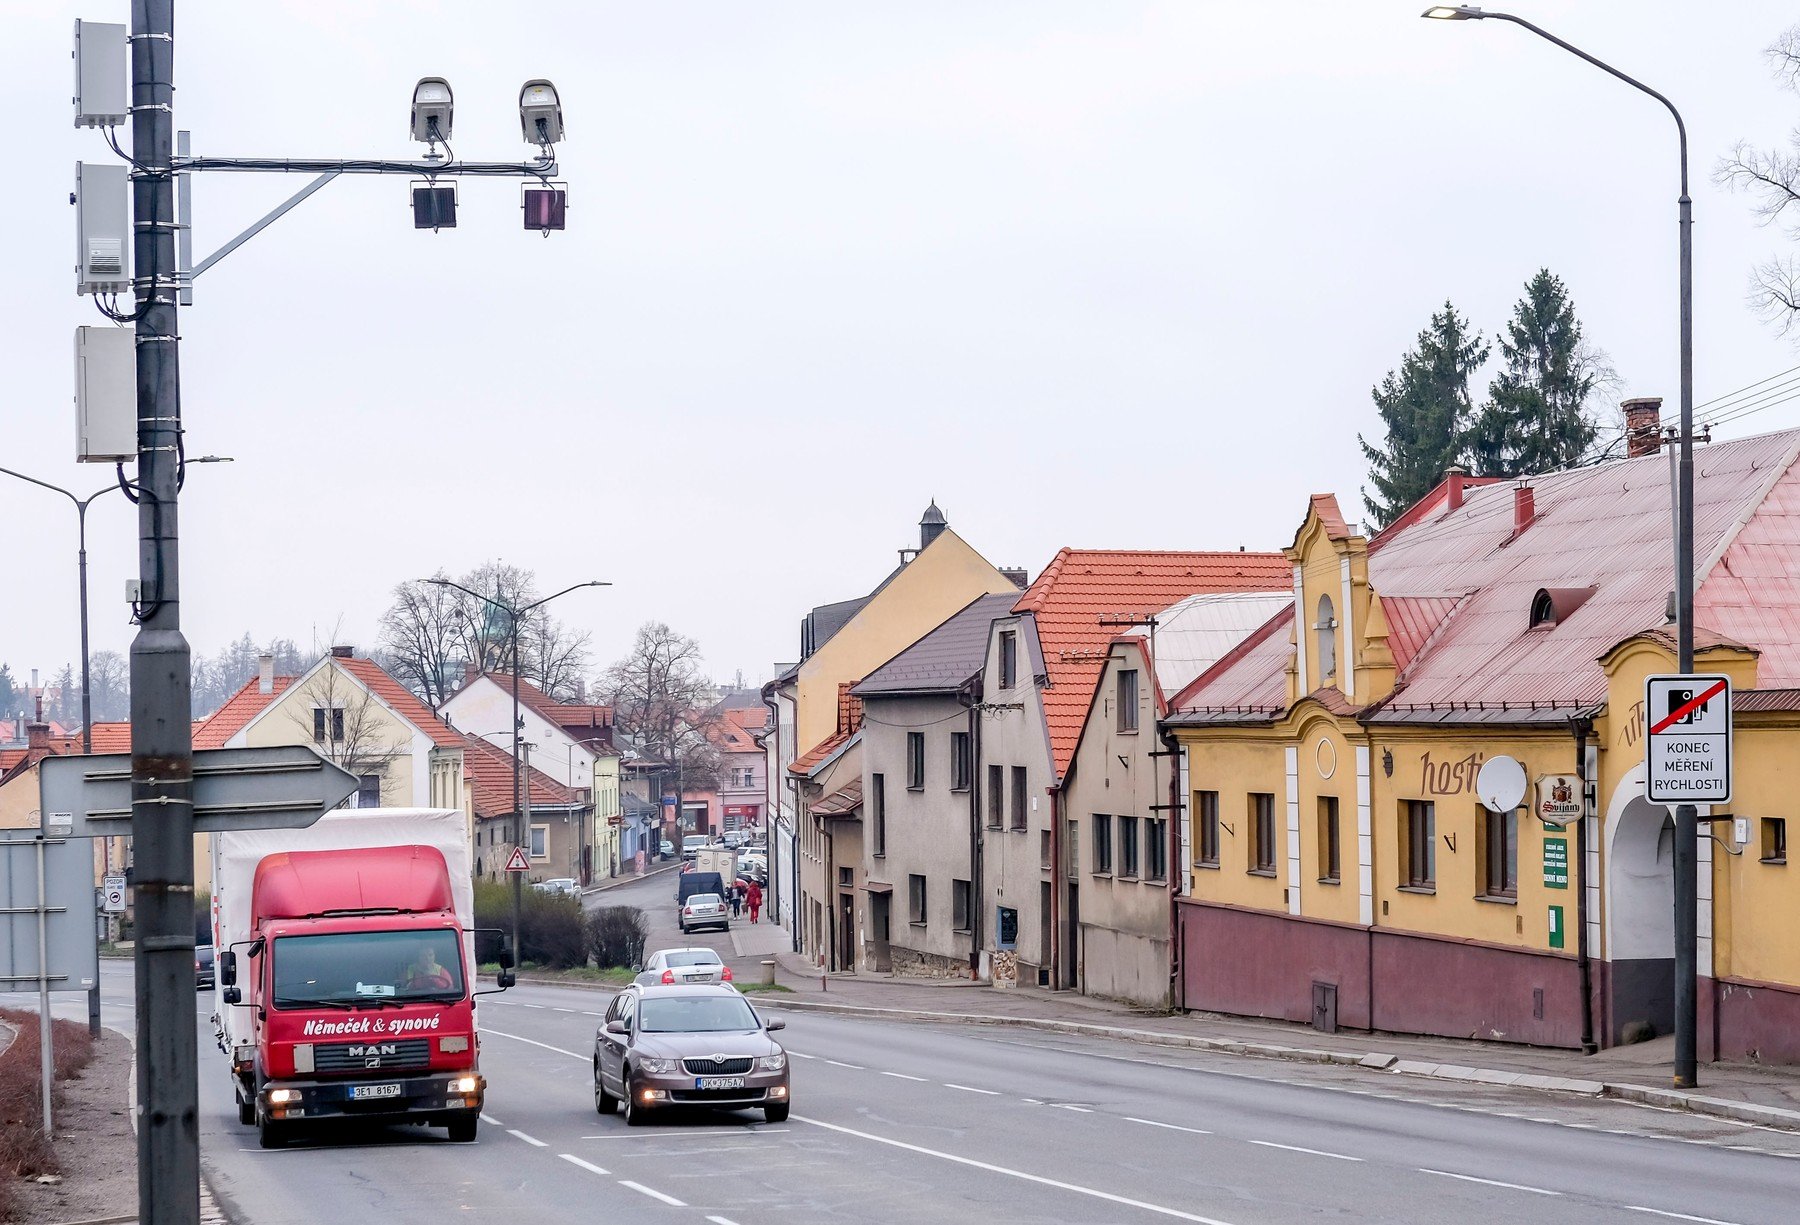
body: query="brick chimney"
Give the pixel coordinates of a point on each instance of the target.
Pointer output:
(1454, 477)
(1524, 507)
(37, 736)
(343, 652)
(1643, 426)
(265, 674)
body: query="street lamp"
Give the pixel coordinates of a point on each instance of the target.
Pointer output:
(1686, 816)
(514, 615)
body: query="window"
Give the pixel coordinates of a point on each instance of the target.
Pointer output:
(1018, 797)
(1326, 628)
(847, 878)
(1500, 854)
(1128, 700)
(878, 814)
(540, 842)
(1329, 860)
(1102, 844)
(996, 796)
(1156, 848)
(915, 900)
(959, 905)
(1774, 839)
(337, 723)
(1206, 806)
(1421, 850)
(1262, 833)
(1128, 846)
(1009, 659)
(1071, 847)
(368, 791)
(959, 761)
(745, 777)
(915, 761)
(1044, 849)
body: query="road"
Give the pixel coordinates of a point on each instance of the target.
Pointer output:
(913, 1123)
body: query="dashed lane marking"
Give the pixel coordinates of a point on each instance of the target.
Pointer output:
(653, 1193)
(904, 1076)
(1490, 1182)
(589, 1166)
(719, 1220)
(491, 1121)
(972, 1089)
(1171, 1126)
(1068, 1106)
(1094, 1192)
(531, 1140)
(836, 1063)
(1295, 1148)
(1679, 1216)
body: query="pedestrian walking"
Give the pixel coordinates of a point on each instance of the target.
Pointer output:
(737, 898)
(754, 899)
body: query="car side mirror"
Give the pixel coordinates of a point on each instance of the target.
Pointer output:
(774, 1023)
(228, 969)
(233, 996)
(618, 1027)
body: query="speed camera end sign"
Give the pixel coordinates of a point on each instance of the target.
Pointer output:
(1688, 755)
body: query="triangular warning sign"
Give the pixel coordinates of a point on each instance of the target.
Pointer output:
(518, 862)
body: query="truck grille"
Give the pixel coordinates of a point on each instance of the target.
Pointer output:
(396, 1055)
(716, 1067)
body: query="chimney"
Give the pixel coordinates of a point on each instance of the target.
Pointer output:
(343, 652)
(37, 733)
(1453, 477)
(265, 674)
(931, 525)
(1643, 426)
(1021, 578)
(1524, 507)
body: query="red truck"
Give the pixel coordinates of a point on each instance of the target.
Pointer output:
(346, 982)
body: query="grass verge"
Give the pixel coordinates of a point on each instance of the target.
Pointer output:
(617, 975)
(759, 988)
(24, 1152)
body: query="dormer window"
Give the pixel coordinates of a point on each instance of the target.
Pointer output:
(1543, 610)
(1326, 628)
(1552, 605)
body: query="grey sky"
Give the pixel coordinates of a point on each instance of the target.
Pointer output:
(1097, 274)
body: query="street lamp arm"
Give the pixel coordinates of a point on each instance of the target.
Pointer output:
(565, 591)
(55, 488)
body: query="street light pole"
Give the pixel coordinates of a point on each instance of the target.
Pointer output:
(1687, 858)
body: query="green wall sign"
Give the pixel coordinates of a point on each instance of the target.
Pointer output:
(1556, 863)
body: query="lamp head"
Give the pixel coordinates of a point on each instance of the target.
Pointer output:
(432, 107)
(540, 114)
(1453, 12)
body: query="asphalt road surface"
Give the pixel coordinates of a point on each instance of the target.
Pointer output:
(909, 1123)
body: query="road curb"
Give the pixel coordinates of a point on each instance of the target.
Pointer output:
(619, 882)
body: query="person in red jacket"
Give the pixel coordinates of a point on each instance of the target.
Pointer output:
(753, 899)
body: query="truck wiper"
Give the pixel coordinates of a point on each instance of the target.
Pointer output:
(294, 1001)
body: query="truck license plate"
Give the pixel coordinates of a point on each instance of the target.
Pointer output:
(719, 1082)
(364, 1092)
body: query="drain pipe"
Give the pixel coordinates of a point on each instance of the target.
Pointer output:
(977, 902)
(1583, 727)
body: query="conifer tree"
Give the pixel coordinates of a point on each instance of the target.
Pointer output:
(1426, 409)
(1536, 418)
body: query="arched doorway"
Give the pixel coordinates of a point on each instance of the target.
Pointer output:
(1640, 911)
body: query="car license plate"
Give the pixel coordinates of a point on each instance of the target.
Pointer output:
(364, 1092)
(719, 1082)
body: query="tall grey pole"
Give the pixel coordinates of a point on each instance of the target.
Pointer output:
(1687, 843)
(519, 830)
(46, 1027)
(162, 751)
(87, 734)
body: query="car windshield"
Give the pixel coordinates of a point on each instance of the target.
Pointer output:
(704, 899)
(693, 957)
(714, 1014)
(367, 969)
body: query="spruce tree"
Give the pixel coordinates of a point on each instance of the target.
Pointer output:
(1536, 417)
(1426, 409)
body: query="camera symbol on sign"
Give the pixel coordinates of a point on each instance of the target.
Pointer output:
(1677, 698)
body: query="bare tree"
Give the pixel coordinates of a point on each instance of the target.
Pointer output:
(660, 700)
(1772, 178)
(422, 636)
(110, 678)
(347, 724)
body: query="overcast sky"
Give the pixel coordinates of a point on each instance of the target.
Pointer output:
(1095, 274)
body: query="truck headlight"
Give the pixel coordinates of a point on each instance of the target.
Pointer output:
(656, 1067)
(772, 1063)
(278, 1097)
(463, 1084)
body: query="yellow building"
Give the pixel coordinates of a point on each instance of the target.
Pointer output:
(1336, 824)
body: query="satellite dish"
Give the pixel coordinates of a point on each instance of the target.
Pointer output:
(1500, 785)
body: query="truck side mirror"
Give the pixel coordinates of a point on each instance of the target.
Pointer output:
(505, 979)
(228, 969)
(505, 958)
(233, 995)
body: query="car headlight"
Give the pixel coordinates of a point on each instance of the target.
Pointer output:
(772, 1063)
(656, 1067)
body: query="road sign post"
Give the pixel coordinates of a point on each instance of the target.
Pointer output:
(1687, 754)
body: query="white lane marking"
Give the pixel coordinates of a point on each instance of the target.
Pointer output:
(854, 1067)
(1067, 1106)
(565, 1010)
(801, 1055)
(1679, 1216)
(719, 1220)
(491, 1121)
(534, 1042)
(1031, 1101)
(904, 1076)
(972, 1089)
(531, 1140)
(653, 1193)
(531, 1005)
(698, 1134)
(1315, 1152)
(1489, 1182)
(589, 1166)
(1019, 1174)
(1171, 1126)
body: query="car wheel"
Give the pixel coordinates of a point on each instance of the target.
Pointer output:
(462, 1130)
(776, 1114)
(604, 1102)
(269, 1133)
(246, 1111)
(635, 1115)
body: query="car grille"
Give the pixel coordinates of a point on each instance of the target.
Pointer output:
(716, 1067)
(363, 1056)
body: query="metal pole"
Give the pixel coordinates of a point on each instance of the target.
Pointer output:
(46, 1039)
(518, 878)
(87, 738)
(162, 819)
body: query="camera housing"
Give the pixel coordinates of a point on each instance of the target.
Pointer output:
(432, 108)
(540, 113)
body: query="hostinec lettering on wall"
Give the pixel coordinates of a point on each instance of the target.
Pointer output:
(1448, 777)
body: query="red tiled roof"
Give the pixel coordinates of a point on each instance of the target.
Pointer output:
(1080, 586)
(111, 737)
(845, 800)
(222, 724)
(10, 758)
(850, 717)
(566, 715)
(489, 769)
(400, 699)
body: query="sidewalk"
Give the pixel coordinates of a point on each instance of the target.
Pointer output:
(1752, 1093)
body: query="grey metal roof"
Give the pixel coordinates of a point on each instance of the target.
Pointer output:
(946, 658)
(826, 620)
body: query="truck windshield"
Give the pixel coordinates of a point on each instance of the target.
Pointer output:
(367, 969)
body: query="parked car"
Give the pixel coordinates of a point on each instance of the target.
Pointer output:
(566, 886)
(690, 845)
(675, 967)
(704, 910)
(667, 849)
(663, 1047)
(734, 838)
(203, 966)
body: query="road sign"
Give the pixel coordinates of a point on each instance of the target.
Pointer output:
(284, 787)
(67, 906)
(112, 895)
(516, 862)
(1688, 746)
